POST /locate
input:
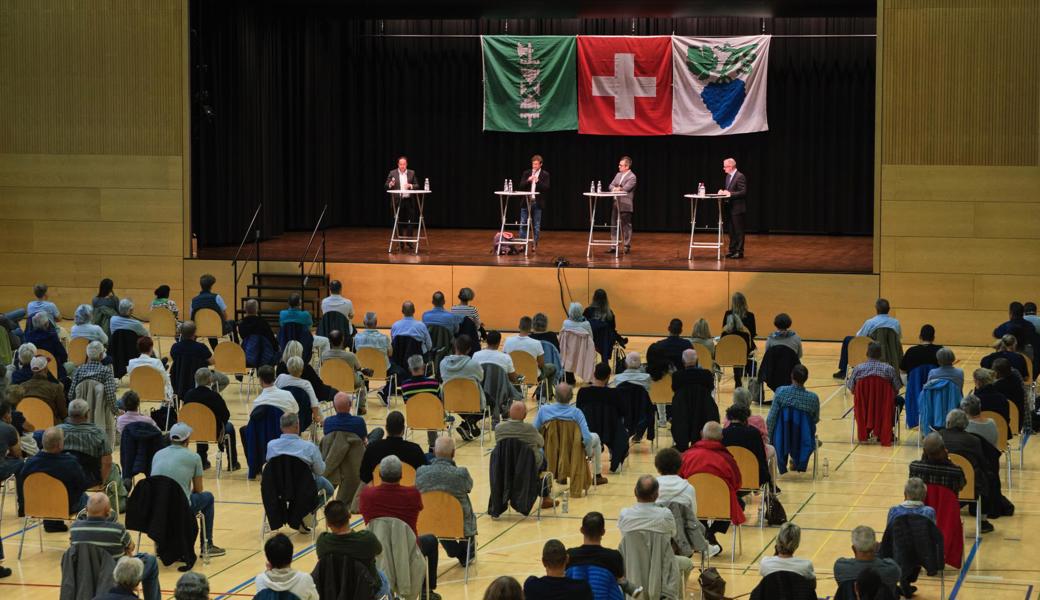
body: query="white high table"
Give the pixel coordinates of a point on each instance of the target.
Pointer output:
(717, 244)
(503, 203)
(396, 198)
(615, 241)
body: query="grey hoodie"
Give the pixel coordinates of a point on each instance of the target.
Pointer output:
(295, 582)
(463, 367)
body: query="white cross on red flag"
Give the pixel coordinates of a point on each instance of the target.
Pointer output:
(624, 85)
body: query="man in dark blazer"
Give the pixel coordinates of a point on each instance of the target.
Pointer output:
(403, 178)
(624, 181)
(735, 188)
(535, 179)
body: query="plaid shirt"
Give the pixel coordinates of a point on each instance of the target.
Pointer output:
(93, 369)
(797, 398)
(875, 367)
(86, 438)
(945, 474)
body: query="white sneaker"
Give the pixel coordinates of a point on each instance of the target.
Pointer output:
(714, 550)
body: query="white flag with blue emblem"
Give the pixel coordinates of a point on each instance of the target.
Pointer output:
(719, 85)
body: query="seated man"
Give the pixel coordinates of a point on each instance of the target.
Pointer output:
(295, 315)
(43, 387)
(102, 529)
(63, 467)
(881, 319)
(95, 369)
(393, 444)
(991, 398)
(945, 358)
(182, 465)
(280, 577)
(42, 304)
(634, 372)
(691, 374)
(923, 353)
(491, 354)
(338, 351)
(271, 395)
(22, 368)
(11, 457)
(1018, 326)
(290, 444)
(1009, 383)
(563, 409)
(417, 383)
(591, 552)
(442, 474)
(517, 428)
(739, 433)
(935, 468)
(783, 336)
(293, 379)
(370, 337)
(207, 299)
(410, 327)
(203, 393)
(556, 585)
(84, 326)
(440, 316)
(984, 427)
(460, 365)
(875, 366)
(708, 455)
(794, 396)
(191, 350)
(335, 302)
(83, 437)
(914, 494)
(970, 446)
(671, 348)
(343, 420)
(131, 404)
(648, 515)
(1006, 347)
(148, 359)
(523, 341)
(126, 320)
(192, 586)
(340, 540)
(253, 324)
(672, 488)
(391, 499)
(127, 576)
(45, 337)
(864, 551)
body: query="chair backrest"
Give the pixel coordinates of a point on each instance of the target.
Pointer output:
(1028, 375)
(748, 465)
(731, 351)
(201, 419)
(372, 358)
(705, 357)
(661, 390)
(858, 349)
(52, 363)
(338, 373)
(461, 396)
(162, 323)
(229, 358)
(208, 323)
(148, 384)
(78, 350)
(968, 492)
(303, 405)
(36, 411)
(1002, 427)
(441, 516)
(712, 496)
(45, 497)
(407, 475)
(1016, 422)
(525, 365)
(425, 411)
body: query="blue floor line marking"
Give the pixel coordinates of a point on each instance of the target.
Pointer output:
(31, 527)
(249, 581)
(964, 569)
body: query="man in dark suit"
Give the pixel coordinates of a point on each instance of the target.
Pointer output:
(535, 179)
(403, 178)
(624, 181)
(735, 188)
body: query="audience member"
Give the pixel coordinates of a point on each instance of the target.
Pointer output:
(787, 541)
(1018, 326)
(738, 306)
(96, 370)
(864, 552)
(523, 341)
(83, 326)
(106, 297)
(672, 488)
(125, 319)
(271, 395)
(294, 379)
(576, 320)
(794, 396)
(192, 586)
(44, 336)
(207, 299)
(709, 455)
(294, 313)
(742, 397)
(252, 324)
(100, 528)
(591, 552)
(945, 358)
(692, 373)
(204, 394)
(465, 309)
(870, 586)
(162, 300)
(599, 310)
(41, 386)
(279, 576)
(634, 372)
(935, 467)
(131, 404)
(408, 326)
(874, 366)
(923, 353)
(987, 481)
(990, 397)
(734, 326)
(701, 334)
(517, 428)
(294, 348)
(1009, 382)
(335, 302)
(442, 474)
(783, 336)
(43, 304)
(182, 465)
(739, 433)
(63, 467)
(440, 316)
(340, 540)
(460, 365)
(195, 353)
(337, 350)
(983, 427)
(343, 420)
(11, 456)
(291, 444)
(881, 319)
(671, 348)
(555, 585)
(370, 337)
(1007, 347)
(1029, 314)
(393, 444)
(914, 494)
(540, 330)
(23, 364)
(420, 383)
(89, 444)
(491, 354)
(127, 576)
(563, 409)
(147, 359)
(504, 588)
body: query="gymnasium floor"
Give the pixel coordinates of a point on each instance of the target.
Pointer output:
(862, 482)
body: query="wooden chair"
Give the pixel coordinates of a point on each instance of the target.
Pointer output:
(1002, 437)
(203, 425)
(52, 363)
(425, 412)
(407, 475)
(705, 357)
(526, 365)
(208, 323)
(713, 504)
(443, 518)
(967, 494)
(339, 374)
(44, 497)
(748, 466)
(463, 396)
(660, 395)
(78, 350)
(161, 323)
(148, 384)
(230, 359)
(857, 354)
(732, 352)
(1016, 421)
(376, 360)
(37, 411)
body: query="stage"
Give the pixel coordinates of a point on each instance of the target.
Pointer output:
(473, 247)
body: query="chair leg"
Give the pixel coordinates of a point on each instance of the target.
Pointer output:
(469, 542)
(25, 525)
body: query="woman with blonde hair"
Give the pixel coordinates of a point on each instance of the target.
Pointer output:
(701, 334)
(738, 306)
(787, 542)
(734, 325)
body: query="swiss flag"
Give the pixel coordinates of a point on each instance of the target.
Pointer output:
(624, 85)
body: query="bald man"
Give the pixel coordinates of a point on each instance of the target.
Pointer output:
(445, 476)
(63, 467)
(517, 428)
(101, 528)
(343, 420)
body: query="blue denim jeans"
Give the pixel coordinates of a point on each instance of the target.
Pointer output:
(150, 577)
(203, 502)
(536, 221)
(326, 486)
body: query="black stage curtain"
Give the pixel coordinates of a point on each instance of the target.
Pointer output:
(299, 107)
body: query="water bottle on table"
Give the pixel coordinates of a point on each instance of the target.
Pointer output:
(426, 184)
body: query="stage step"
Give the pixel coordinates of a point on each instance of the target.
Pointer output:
(272, 291)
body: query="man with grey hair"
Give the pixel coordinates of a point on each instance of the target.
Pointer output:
(371, 337)
(256, 332)
(634, 372)
(983, 427)
(63, 467)
(97, 370)
(409, 326)
(42, 304)
(563, 409)
(90, 445)
(946, 358)
(182, 465)
(443, 475)
(45, 337)
(127, 577)
(709, 455)
(864, 550)
(874, 366)
(102, 529)
(984, 459)
(291, 444)
(203, 393)
(195, 354)
(914, 493)
(192, 586)
(22, 364)
(517, 428)
(125, 319)
(734, 187)
(84, 327)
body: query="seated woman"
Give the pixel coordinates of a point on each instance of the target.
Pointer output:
(465, 309)
(787, 542)
(734, 326)
(983, 427)
(1006, 347)
(540, 330)
(742, 397)
(84, 327)
(126, 320)
(323, 392)
(946, 370)
(105, 296)
(1009, 382)
(991, 398)
(701, 334)
(162, 300)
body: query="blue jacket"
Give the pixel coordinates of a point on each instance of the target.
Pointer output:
(264, 425)
(137, 445)
(938, 398)
(552, 357)
(794, 435)
(603, 583)
(914, 383)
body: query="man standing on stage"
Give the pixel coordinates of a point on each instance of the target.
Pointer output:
(735, 189)
(537, 180)
(403, 178)
(624, 181)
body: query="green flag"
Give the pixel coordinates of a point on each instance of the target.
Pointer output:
(529, 83)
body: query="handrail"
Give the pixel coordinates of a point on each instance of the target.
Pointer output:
(249, 228)
(234, 262)
(313, 233)
(306, 273)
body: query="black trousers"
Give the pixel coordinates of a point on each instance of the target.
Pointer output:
(735, 228)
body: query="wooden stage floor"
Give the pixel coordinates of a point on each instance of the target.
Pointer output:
(764, 253)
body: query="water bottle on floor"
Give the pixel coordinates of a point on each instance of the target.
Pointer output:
(826, 467)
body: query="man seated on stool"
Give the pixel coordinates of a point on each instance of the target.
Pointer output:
(516, 428)
(99, 527)
(563, 409)
(291, 444)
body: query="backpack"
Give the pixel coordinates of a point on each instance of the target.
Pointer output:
(504, 237)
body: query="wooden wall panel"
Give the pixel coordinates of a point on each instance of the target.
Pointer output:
(946, 219)
(645, 301)
(90, 170)
(963, 255)
(919, 183)
(45, 204)
(504, 294)
(929, 290)
(383, 288)
(996, 292)
(954, 327)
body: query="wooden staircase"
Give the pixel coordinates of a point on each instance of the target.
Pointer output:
(272, 290)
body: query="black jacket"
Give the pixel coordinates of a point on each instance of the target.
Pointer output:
(159, 508)
(541, 186)
(122, 346)
(408, 452)
(692, 407)
(288, 491)
(514, 478)
(776, 365)
(746, 436)
(913, 541)
(212, 400)
(137, 445)
(636, 410)
(339, 577)
(784, 585)
(603, 413)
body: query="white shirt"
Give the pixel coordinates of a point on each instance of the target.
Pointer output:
(535, 181)
(147, 361)
(495, 357)
(524, 342)
(647, 516)
(672, 488)
(286, 380)
(272, 396)
(337, 303)
(774, 564)
(402, 180)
